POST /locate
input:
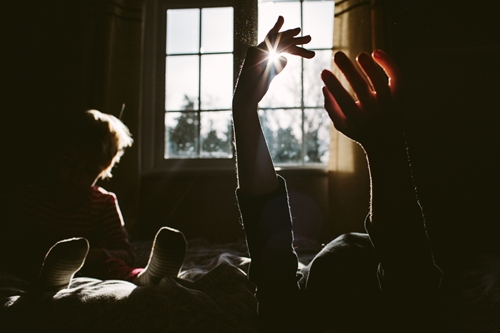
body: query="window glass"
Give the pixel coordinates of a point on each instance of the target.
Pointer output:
(183, 31)
(181, 83)
(313, 95)
(216, 134)
(217, 30)
(317, 136)
(216, 81)
(283, 133)
(318, 23)
(181, 133)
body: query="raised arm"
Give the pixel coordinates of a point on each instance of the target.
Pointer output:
(373, 120)
(262, 196)
(396, 222)
(256, 173)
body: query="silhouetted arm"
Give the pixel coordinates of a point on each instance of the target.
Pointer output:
(256, 174)
(396, 221)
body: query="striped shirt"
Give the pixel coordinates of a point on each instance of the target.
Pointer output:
(40, 217)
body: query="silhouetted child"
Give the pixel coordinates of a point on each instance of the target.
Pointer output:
(66, 221)
(385, 280)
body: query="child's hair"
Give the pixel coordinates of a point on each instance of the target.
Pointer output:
(99, 135)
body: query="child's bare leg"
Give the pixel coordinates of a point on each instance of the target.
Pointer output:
(166, 258)
(62, 261)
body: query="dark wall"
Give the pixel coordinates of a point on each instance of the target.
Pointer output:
(41, 70)
(203, 204)
(449, 55)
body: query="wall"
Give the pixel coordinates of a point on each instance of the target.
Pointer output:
(448, 53)
(203, 204)
(41, 67)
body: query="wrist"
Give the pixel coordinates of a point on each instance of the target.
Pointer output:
(389, 149)
(242, 102)
(387, 143)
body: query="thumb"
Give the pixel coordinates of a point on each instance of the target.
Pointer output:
(279, 64)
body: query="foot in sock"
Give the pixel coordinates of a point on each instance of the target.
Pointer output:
(167, 256)
(62, 261)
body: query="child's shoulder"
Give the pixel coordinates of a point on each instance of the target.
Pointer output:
(99, 192)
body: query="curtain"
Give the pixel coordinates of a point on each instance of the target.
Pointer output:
(359, 26)
(111, 83)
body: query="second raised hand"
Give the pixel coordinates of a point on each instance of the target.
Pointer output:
(374, 113)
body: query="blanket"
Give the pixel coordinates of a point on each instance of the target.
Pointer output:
(211, 294)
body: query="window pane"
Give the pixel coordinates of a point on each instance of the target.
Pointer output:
(216, 81)
(181, 83)
(183, 31)
(285, 90)
(312, 82)
(283, 134)
(217, 30)
(216, 134)
(318, 22)
(269, 12)
(181, 133)
(317, 133)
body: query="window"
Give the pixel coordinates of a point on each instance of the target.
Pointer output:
(198, 47)
(199, 83)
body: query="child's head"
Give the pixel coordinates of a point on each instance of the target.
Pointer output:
(92, 143)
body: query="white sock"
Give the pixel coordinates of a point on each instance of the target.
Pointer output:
(62, 261)
(167, 256)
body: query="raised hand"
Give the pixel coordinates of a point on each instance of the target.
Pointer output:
(256, 174)
(264, 61)
(373, 116)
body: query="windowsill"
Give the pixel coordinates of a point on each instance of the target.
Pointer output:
(223, 166)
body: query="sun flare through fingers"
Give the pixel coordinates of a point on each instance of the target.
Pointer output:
(273, 58)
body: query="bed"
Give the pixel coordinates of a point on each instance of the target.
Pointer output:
(212, 294)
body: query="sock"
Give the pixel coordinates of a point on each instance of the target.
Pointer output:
(62, 261)
(167, 256)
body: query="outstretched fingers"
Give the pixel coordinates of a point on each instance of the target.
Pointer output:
(344, 107)
(294, 49)
(358, 83)
(376, 76)
(277, 26)
(391, 70)
(286, 41)
(334, 111)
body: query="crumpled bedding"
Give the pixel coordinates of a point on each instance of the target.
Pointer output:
(212, 294)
